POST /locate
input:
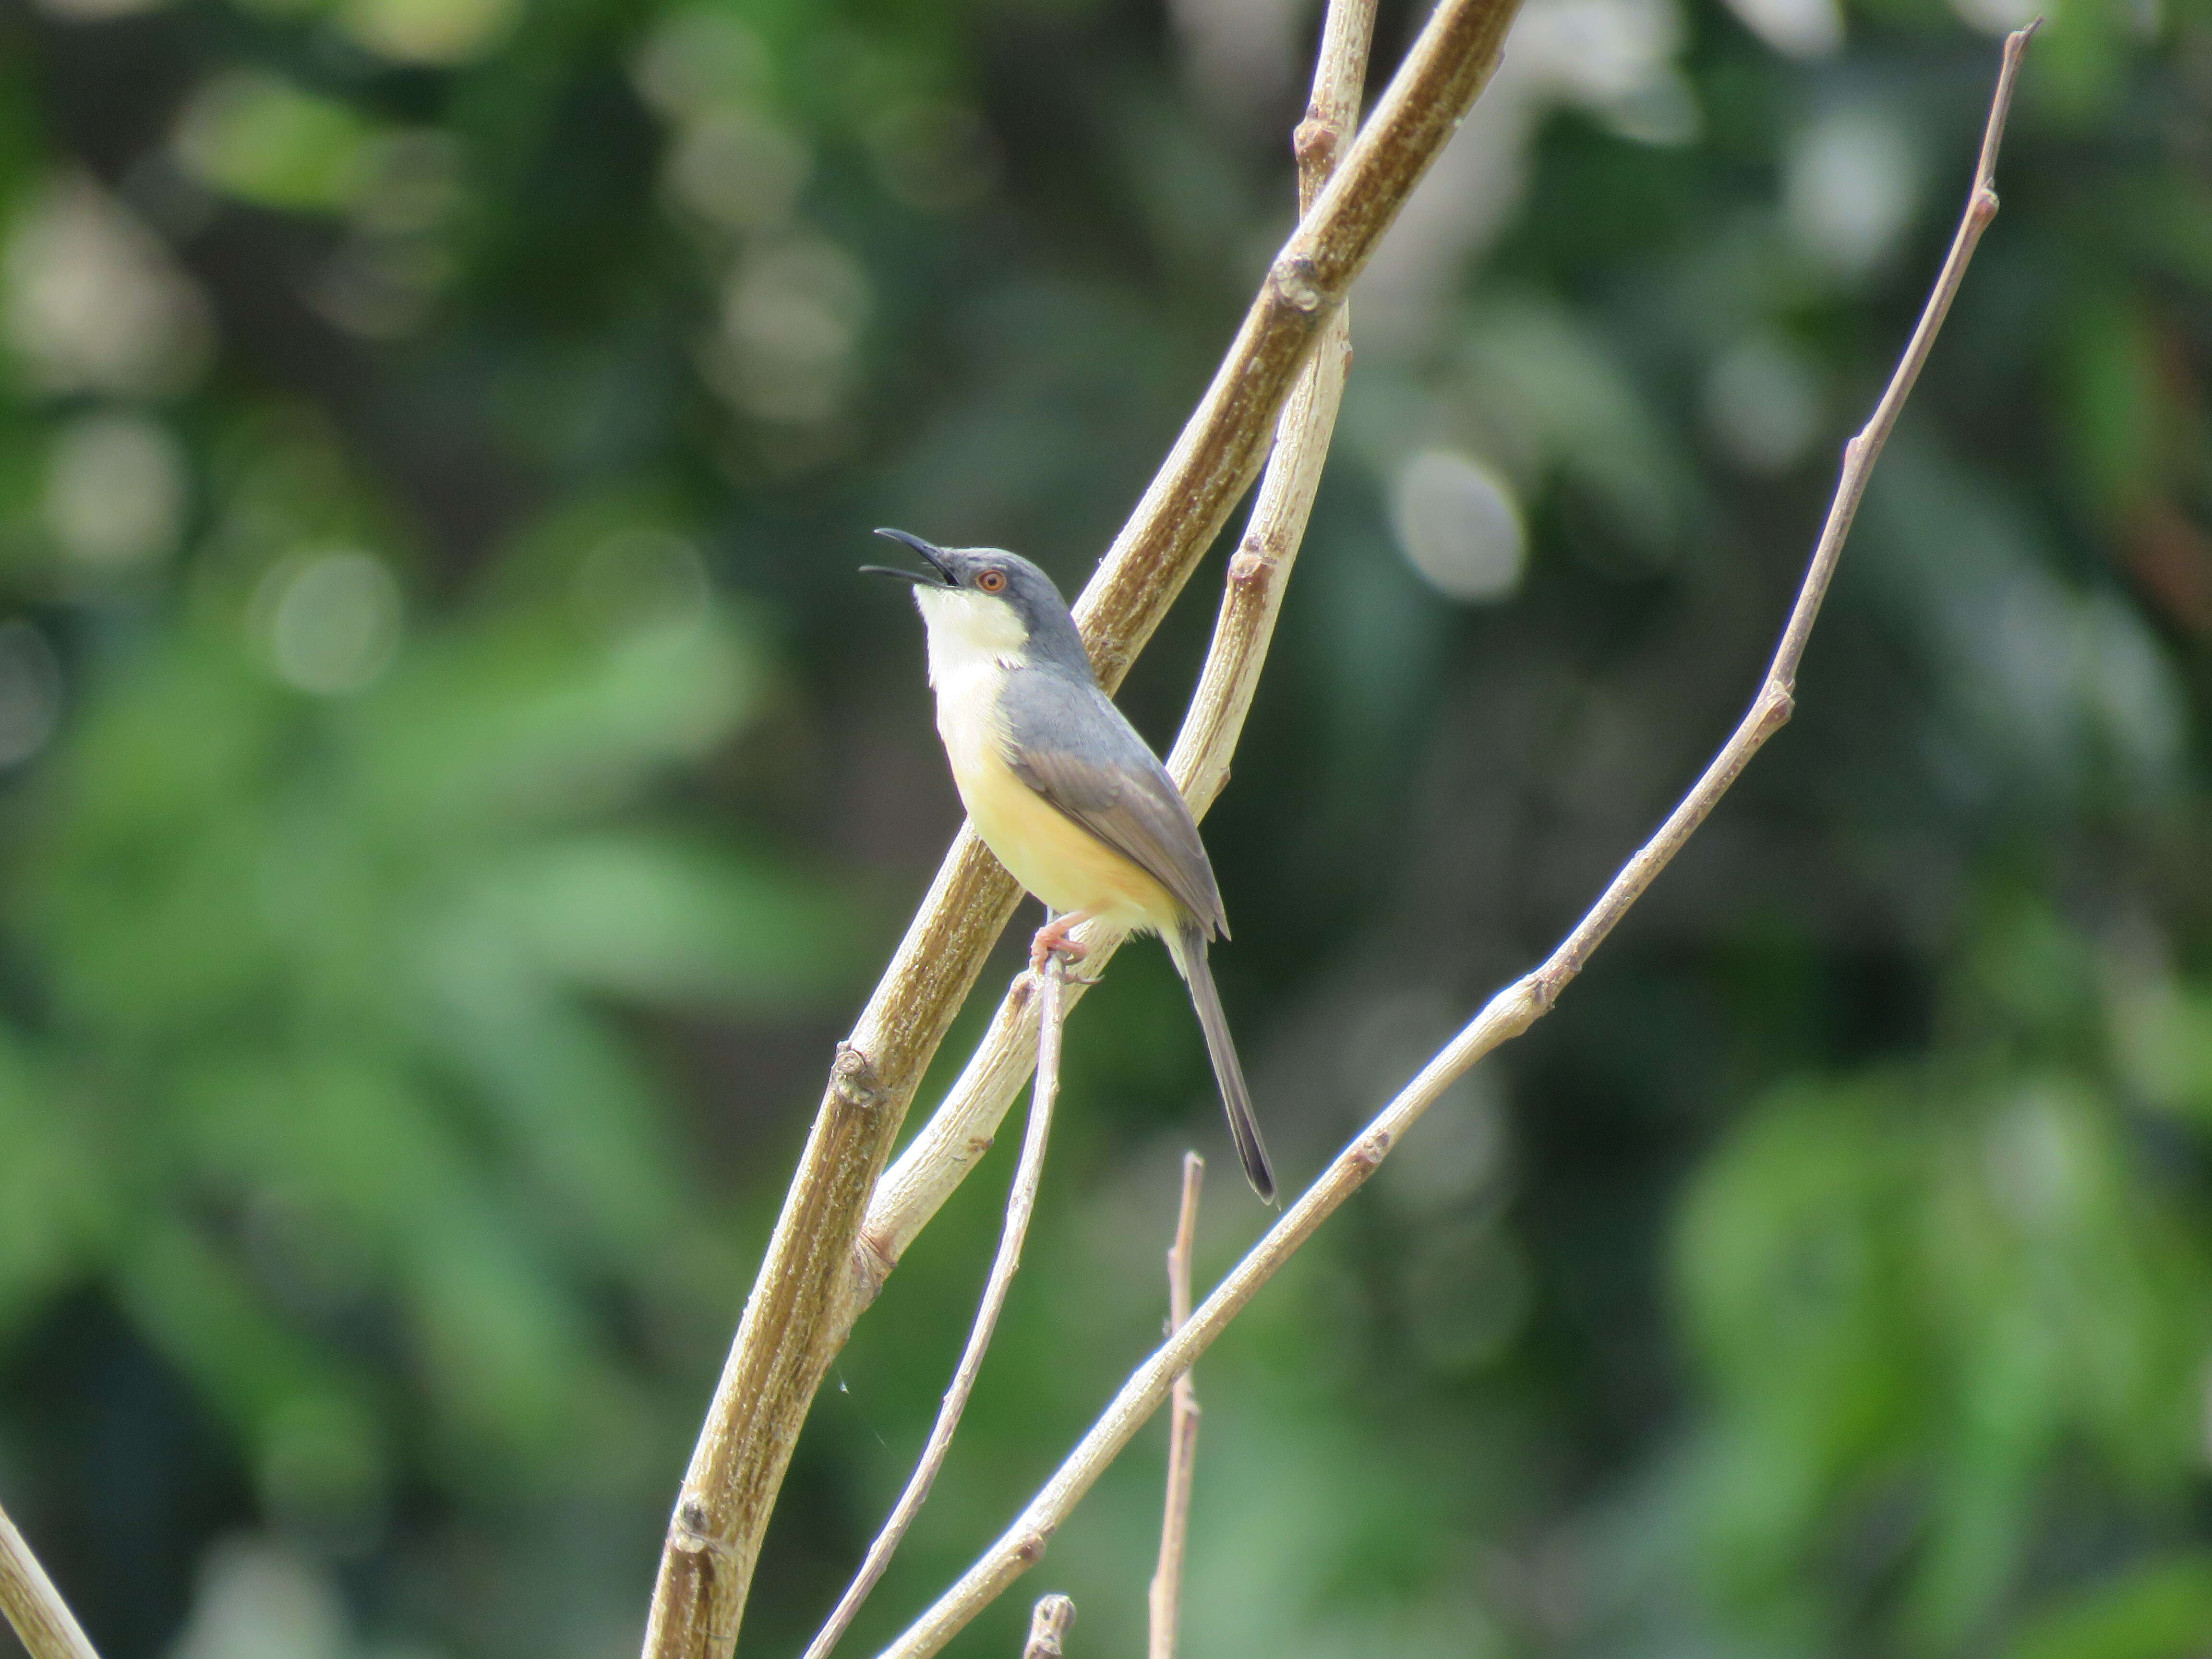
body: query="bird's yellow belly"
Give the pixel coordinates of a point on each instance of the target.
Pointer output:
(1052, 856)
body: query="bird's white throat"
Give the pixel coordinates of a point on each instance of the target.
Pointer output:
(969, 634)
(973, 640)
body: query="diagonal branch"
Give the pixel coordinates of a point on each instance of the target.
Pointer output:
(41, 1619)
(1021, 1204)
(1514, 1009)
(798, 1312)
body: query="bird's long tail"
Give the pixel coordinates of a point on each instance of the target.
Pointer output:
(1188, 946)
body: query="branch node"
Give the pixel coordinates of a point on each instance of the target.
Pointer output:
(1372, 1148)
(871, 1264)
(1030, 1550)
(1250, 567)
(1297, 282)
(693, 1531)
(853, 1079)
(1314, 140)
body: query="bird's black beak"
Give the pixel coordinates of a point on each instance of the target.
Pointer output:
(938, 575)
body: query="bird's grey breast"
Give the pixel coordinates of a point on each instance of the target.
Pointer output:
(1066, 740)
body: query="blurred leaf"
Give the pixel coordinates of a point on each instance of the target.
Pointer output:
(336, 953)
(2158, 1610)
(263, 140)
(1933, 1282)
(665, 922)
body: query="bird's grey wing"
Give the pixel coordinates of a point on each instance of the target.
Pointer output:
(1067, 741)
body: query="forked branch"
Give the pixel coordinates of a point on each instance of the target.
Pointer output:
(942, 1152)
(1021, 1204)
(1513, 1010)
(809, 1288)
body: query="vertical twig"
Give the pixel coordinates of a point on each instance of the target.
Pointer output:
(1166, 1600)
(42, 1620)
(1051, 1621)
(1512, 1011)
(1021, 1204)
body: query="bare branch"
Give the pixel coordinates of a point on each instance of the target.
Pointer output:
(1049, 1622)
(1508, 1013)
(1021, 1204)
(41, 1620)
(945, 1148)
(1771, 709)
(1165, 1602)
(807, 1291)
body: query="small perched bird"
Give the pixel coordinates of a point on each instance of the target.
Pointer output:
(1061, 787)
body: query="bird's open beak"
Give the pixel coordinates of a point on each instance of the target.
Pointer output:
(938, 575)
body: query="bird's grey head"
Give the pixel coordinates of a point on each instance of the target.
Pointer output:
(989, 601)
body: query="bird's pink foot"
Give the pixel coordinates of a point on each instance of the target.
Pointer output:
(1053, 936)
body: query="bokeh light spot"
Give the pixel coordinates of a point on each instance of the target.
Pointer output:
(435, 33)
(1851, 183)
(736, 167)
(1796, 28)
(1459, 526)
(699, 59)
(94, 299)
(791, 317)
(117, 490)
(1763, 404)
(333, 620)
(255, 136)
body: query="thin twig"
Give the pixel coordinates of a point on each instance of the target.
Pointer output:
(810, 1287)
(1021, 1204)
(1166, 1603)
(1510, 1013)
(1049, 1622)
(41, 1620)
(944, 1150)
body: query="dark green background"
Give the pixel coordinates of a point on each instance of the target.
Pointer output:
(458, 790)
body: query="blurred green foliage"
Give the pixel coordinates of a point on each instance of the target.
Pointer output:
(453, 793)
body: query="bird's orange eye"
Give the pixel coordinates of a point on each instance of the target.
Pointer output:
(992, 582)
